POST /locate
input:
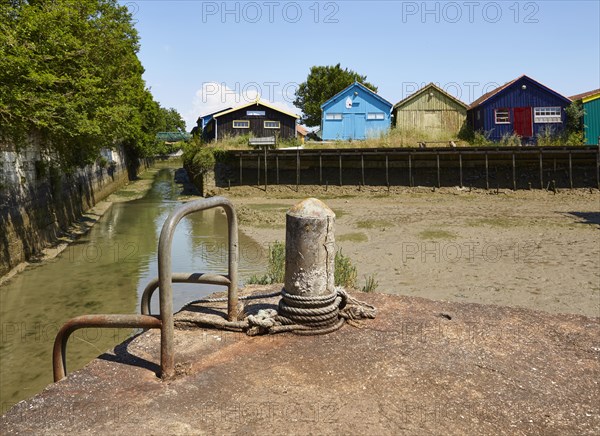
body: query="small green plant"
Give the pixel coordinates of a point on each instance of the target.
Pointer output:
(372, 224)
(436, 234)
(575, 138)
(275, 268)
(370, 284)
(345, 271)
(510, 140)
(287, 143)
(548, 137)
(237, 142)
(481, 138)
(102, 162)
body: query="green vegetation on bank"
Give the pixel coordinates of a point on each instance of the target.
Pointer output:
(72, 81)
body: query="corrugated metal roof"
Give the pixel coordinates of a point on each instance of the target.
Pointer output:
(585, 94)
(425, 88)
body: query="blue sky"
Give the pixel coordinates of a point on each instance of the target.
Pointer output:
(201, 56)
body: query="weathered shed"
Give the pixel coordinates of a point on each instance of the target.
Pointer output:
(431, 109)
(356, 112)
(591, 118)
(522, 106)
(257, 119)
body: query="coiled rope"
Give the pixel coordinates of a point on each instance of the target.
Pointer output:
(302, 315)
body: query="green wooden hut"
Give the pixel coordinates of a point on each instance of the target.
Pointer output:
(431, 109)
(591, 119)
(590, 102)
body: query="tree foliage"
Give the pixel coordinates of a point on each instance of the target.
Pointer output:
(574, 128)
(171, 121)
(322, 83)
(70, 75)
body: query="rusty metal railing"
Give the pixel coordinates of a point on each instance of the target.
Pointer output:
(164, 283)
(165, 275)
(93, 321)
(195, 278)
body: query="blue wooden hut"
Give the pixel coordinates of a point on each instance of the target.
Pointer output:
(522, 106)
(355, 113)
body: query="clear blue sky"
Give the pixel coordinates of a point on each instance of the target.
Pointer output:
(200, 56)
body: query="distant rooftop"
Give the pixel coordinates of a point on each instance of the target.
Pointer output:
(585, 94)
(173, 136)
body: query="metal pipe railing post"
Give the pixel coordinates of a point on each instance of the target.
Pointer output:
(165, 274)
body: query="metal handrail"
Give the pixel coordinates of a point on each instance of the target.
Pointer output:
(166, 278)
(195, 278)
(165, 275)
(59, 352)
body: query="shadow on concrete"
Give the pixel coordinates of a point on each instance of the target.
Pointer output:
(122, 355)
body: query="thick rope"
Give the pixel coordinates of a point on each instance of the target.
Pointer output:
(302, 315)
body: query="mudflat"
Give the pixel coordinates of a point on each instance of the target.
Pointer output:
(534, 249)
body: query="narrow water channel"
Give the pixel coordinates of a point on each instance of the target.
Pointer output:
(105, 272)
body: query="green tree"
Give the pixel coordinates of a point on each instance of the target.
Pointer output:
(172, 121)
(71, 76)
(322, 83)
(574, 129)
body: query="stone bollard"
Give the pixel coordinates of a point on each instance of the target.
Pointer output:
(309, 249)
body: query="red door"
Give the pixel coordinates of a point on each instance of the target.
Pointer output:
(523, 125)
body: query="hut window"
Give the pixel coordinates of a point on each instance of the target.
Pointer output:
(376, 116)
(272, 124)
(241, 124)
(502, 116)
(547, 115)
(255, 113)
(333, 116)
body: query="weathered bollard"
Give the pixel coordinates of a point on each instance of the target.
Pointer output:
(309, 249)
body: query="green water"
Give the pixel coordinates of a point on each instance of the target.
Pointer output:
(105, 272)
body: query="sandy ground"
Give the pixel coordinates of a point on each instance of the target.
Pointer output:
(534, 249)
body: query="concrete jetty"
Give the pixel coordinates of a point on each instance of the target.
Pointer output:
(420, 367)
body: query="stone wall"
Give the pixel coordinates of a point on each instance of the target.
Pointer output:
(38, 202)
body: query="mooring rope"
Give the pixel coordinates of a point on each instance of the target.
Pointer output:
(302, 315)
